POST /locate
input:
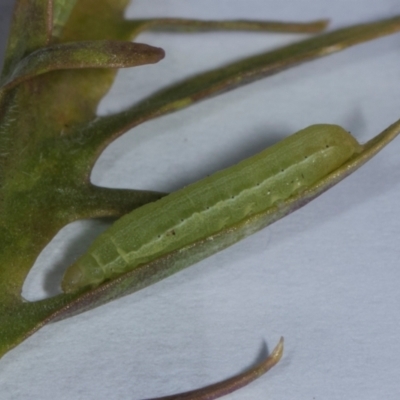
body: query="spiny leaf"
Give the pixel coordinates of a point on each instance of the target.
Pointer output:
(45, 165)
(50, 138)
(76, 149)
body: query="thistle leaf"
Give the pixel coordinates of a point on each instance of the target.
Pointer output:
(50, 137)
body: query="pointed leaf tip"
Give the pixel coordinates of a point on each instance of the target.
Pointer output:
(230, 385)
(87, 54)
(132, 54)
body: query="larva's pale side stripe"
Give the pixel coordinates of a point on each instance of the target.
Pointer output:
(214, 203)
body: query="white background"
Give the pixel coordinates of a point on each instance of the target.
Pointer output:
(326, 277)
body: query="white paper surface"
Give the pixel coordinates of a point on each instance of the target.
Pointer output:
(326, 277)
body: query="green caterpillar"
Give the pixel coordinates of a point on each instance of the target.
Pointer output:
(212, 204)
